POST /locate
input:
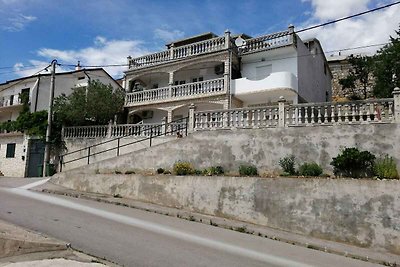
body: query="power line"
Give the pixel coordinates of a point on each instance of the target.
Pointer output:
(20, 81)
(348, 17)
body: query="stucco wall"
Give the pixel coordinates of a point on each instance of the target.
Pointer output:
(365, 213)
(262, 147)
(313, 73)
(15, 166)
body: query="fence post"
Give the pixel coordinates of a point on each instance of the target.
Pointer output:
(281, 111)
(88, 156)
(151, 135)
(164, 126)
(190, 126)
(396, 100)
(118, 146)
(109, 129)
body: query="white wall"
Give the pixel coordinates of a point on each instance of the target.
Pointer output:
(278, 60)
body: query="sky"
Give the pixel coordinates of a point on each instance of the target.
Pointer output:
(103, 32)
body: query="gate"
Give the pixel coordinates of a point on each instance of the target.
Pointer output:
(35, 158)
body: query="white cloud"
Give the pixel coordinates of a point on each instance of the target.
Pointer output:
(369, 29)
(16, 22)
(168, 36)
(103, 52)
(332, 9)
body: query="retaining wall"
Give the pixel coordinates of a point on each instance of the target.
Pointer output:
(364, 213)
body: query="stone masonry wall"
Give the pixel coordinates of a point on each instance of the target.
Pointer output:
(15, 166)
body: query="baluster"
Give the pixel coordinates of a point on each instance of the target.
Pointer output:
(287, 119)
(319, 115)
(376, 113)
(346, 113)
(253, 119)
(300, 119)
(368, 106)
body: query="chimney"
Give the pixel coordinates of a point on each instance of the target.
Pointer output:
(78, 66)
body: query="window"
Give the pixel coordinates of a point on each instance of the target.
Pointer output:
(200, 79)
(11, 100)
(10, 153)
(182, 82)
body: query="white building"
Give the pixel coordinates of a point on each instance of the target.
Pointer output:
(20, 155)
(222, 72)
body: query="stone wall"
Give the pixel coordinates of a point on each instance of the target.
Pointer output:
(364, 213)
(14, 166)
(261, 147)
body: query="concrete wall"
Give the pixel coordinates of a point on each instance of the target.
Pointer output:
(15, 166)
(365, 213)
(82, 143)
(263, 147)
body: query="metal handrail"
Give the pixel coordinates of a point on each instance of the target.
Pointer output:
(185, 128)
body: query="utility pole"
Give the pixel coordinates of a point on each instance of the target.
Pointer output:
(46, 162)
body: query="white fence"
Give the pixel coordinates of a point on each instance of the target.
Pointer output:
(284, 115)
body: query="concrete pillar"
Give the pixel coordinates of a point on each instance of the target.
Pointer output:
(109, 129)
(170, 83)
(171, 52)
(129, 60)
(191, 121)
(281, 111)
(227, 39)
(292, 36)
(169, 116)
(163, 126)
(396, 99)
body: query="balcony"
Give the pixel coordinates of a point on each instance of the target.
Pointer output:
(176, 93)
(10, 104)
(261, 43)
(270, 88)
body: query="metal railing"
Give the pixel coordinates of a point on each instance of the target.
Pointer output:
(178, 126)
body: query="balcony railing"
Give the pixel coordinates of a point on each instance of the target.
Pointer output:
(212, 45)
(6, 101)
(267, 42)
(203, 47)
(177, 92)
(122, 130)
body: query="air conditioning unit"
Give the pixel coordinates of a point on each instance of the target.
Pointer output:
(147, 114)
(219, 69)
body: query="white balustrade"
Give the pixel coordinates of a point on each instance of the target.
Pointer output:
(86, 131)
(202, 47)
(267, 42)
(209, 87)
(212, 45)
(237, 118)
(363, 111)
(149, 60)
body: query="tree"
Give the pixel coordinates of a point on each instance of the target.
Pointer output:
(95, 104)
(360, 74)
(387, 68)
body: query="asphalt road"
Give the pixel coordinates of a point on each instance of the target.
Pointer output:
(133, 237)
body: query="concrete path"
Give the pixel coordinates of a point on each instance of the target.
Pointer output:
(134, 237)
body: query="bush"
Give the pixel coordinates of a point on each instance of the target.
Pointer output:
(214, 170)
(167, 172)
(288, 164)
(183, 168)
(248, 170)
(130, 172)
(352, 162)
(310, 169)
(160, 170)
(385, 168)
(198, 172)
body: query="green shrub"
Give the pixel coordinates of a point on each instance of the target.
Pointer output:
(198, 172)
(310, 169)
(183, 168)
(117, 172)
(214, 170)
(385, 168)
(130, 172)
(288, 164)
(160, 170)
(352, 162)
(248, 170)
